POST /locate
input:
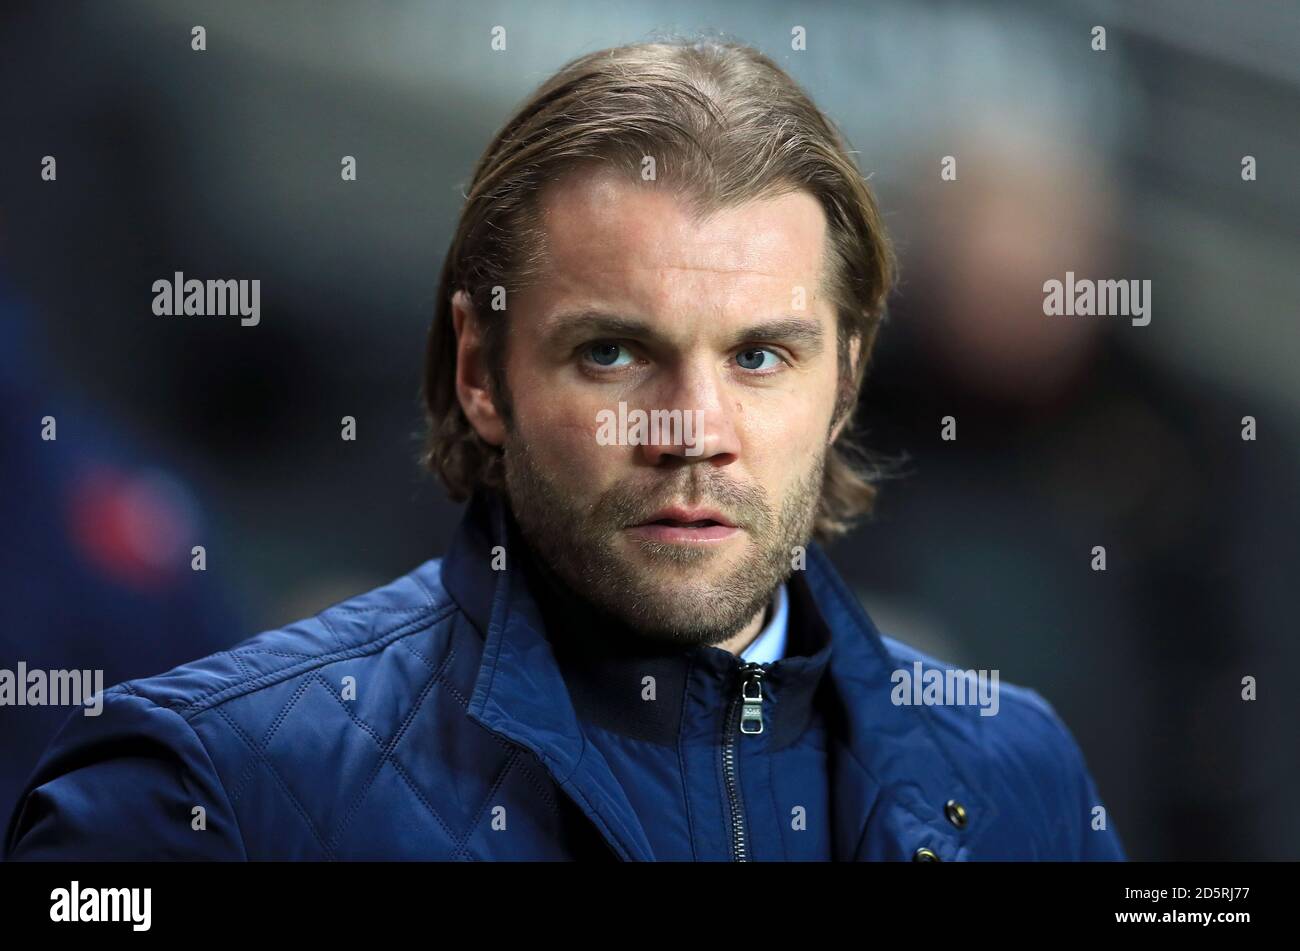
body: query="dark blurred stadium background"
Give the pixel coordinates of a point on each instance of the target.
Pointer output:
(1071, 433)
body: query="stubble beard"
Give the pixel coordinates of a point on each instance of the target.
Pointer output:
(663, 591)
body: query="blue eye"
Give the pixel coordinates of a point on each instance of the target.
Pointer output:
(606, 354)
(753, 359)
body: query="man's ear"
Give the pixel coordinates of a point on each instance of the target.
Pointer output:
(855, 351)
(472, 386)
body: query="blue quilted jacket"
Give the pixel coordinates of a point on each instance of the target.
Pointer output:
(430, 719)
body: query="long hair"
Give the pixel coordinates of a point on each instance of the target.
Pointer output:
(724, 125)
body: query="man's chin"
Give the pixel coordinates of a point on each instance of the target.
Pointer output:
(684, 594)
(672, 576)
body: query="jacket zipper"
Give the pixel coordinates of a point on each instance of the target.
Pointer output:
(745, 716)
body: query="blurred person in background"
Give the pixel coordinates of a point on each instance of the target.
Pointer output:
(95, 564)
(1068, 437)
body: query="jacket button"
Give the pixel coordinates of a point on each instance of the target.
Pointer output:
(956, 813)
(925, 855)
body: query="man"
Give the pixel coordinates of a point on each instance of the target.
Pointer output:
(652, 325)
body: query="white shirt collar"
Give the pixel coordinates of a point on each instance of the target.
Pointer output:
(770, 644)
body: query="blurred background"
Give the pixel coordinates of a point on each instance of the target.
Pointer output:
(1072, 432)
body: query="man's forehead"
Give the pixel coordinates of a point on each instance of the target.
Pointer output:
(599, 223)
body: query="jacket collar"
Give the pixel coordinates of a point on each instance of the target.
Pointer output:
(519, 692)
(907, 771)
(892, 772)
(604, 663)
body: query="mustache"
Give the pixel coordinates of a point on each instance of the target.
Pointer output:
(633, 502)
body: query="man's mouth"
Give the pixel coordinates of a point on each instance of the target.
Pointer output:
(683, 525)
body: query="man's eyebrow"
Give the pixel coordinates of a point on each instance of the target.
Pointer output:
(597, 323)
(794, 330)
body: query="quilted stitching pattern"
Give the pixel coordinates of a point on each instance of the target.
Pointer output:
(402, 755)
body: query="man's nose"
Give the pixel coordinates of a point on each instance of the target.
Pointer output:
(700, 424)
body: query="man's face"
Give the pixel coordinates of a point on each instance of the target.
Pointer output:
(683, 537)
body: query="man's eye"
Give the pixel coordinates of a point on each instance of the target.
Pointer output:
(753, 359)
(607, 354)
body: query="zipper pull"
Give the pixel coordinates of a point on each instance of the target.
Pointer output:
(751, 696)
